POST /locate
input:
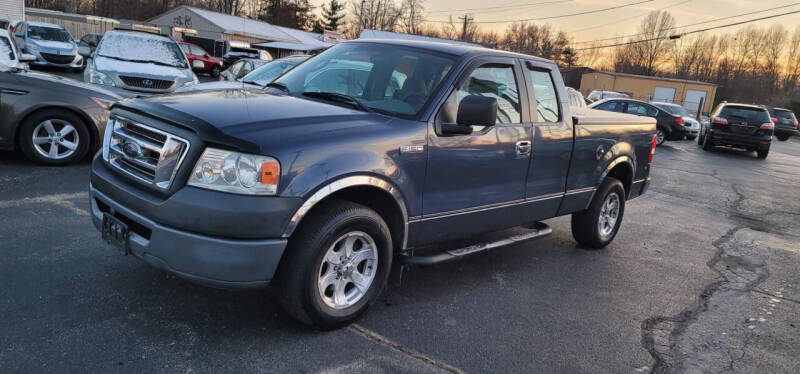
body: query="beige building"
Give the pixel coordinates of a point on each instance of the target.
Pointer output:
(679, 91)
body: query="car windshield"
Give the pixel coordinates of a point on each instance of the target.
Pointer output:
(49, 33)
(674, 109)
(268, 72)
(390, 79)
(142, 48)
(6, 51)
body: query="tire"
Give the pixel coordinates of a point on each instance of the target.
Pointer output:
(586, 224)
(693, 137)
(762, 153)
(661, 136)
(299, 277)
(71, 146)
(700, 138)
(707, 143)
(782, 138)
(215, 71)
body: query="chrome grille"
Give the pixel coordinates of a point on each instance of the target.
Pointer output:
(147, 83)
(148, 154)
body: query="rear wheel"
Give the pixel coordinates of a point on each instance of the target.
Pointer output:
(660, 136)
(782, 138)
(707, 143)
(54, 137)
(336, 265)
(762, 153)
(597, 226)
(215, 71)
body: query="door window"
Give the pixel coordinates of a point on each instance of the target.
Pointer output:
(614, 106)
(641, 110)
(197, 51)
(234, 69)
(497, 81)
(185, 49)
(544, 91)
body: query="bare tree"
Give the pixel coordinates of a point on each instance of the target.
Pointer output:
(411, 19)
(373, 14)
(651, 46)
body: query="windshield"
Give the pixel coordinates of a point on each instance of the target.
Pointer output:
(674, 109)
(142, 48)
(268, 72)
(389, 79)
(6, 51)
(49, 33)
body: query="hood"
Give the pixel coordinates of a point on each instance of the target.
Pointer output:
(62, 81)
(141, 69)
(221, 85)
(46, 45)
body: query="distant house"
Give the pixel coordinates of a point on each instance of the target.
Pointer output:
(12, 10)
(305, 43)
(377, 34)
(219, 26)
(78, 25)
(687, 93)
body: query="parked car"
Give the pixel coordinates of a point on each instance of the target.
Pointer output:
(52, 45)
(136, 63)
(53, 120)
(739, 125)
(234, 51)
(240, 68)
(200, 60)
(596, 95)
(691, 126)
(670, 126)
(785, 122)
(90, 41)
(257, 78)
(10, 56)
(320, 191)
(576, 100)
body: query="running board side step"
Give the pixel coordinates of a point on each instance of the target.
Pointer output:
(538, 230)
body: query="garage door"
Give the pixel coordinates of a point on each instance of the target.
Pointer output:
(665, 94)
(692, 100)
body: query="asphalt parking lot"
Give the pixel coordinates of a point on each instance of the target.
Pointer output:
(704, 276)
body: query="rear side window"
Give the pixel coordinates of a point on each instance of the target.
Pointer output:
(641, 110)
(614, 106)
(544, 91)
(744, 114)
(784, 114)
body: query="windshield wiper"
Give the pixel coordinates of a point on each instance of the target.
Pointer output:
(142, 61)
(279, 86)
(340, 98)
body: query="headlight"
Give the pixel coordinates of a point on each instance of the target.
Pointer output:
(32, 46)
(235, 172)
(97, 77)
(111, 125)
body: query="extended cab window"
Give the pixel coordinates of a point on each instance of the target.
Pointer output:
(389, 79)
(544, 92)
(499, 82)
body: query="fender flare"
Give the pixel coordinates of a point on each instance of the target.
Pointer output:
(343, 183)
(622, 159)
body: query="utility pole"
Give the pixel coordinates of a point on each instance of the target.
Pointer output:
(361, 18)
(467, 20)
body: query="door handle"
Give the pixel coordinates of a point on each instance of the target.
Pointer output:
(523, 147)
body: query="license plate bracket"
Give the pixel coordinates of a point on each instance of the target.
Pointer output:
(115, 232)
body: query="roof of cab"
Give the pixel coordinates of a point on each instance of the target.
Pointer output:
(450, 48)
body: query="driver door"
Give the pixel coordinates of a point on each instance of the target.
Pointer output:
(475, 183)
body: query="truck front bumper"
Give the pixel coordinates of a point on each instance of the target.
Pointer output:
(162, 234)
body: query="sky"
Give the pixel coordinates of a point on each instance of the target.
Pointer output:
(684, 11)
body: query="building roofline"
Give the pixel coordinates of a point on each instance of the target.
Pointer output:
(651, 77)
(225, 30)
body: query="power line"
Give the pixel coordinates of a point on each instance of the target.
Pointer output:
(690, 25)
(678, 36)
(559, 16)
(629, 18)
(502, 6)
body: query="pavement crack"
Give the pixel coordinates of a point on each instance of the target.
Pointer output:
(384, 341)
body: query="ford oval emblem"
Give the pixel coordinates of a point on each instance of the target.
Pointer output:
(147, 82)
(132, 150)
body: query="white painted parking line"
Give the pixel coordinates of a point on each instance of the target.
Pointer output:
(382, 340)
(55, 198)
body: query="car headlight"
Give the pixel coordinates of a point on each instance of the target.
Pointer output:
(33, 47)
(97, 77)
(236, 172)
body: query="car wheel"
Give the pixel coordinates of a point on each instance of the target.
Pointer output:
(762, 153)
(660, 136)
(215, 71)
(596, 226)
(691, 137)
(54, 137)
(707, 143)
(700, 138)
(782, 138)
(335, 266)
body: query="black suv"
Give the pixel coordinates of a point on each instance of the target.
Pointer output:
(739, 125)
(785, 122)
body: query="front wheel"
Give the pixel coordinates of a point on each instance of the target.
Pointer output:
(54, 137)
(597, 226)
(335, 266)
(215, 71)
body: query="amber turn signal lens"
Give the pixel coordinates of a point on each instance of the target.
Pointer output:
(270, 173)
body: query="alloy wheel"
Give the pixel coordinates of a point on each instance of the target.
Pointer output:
(55, 139)
(347, 270)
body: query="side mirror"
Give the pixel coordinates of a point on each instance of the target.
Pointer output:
(84, 51)
(477, 110)
(197, 64)
(27, 58)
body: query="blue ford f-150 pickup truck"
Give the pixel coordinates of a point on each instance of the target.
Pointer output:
(353, 160)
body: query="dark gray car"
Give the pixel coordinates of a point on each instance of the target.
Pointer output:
(53, 120)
